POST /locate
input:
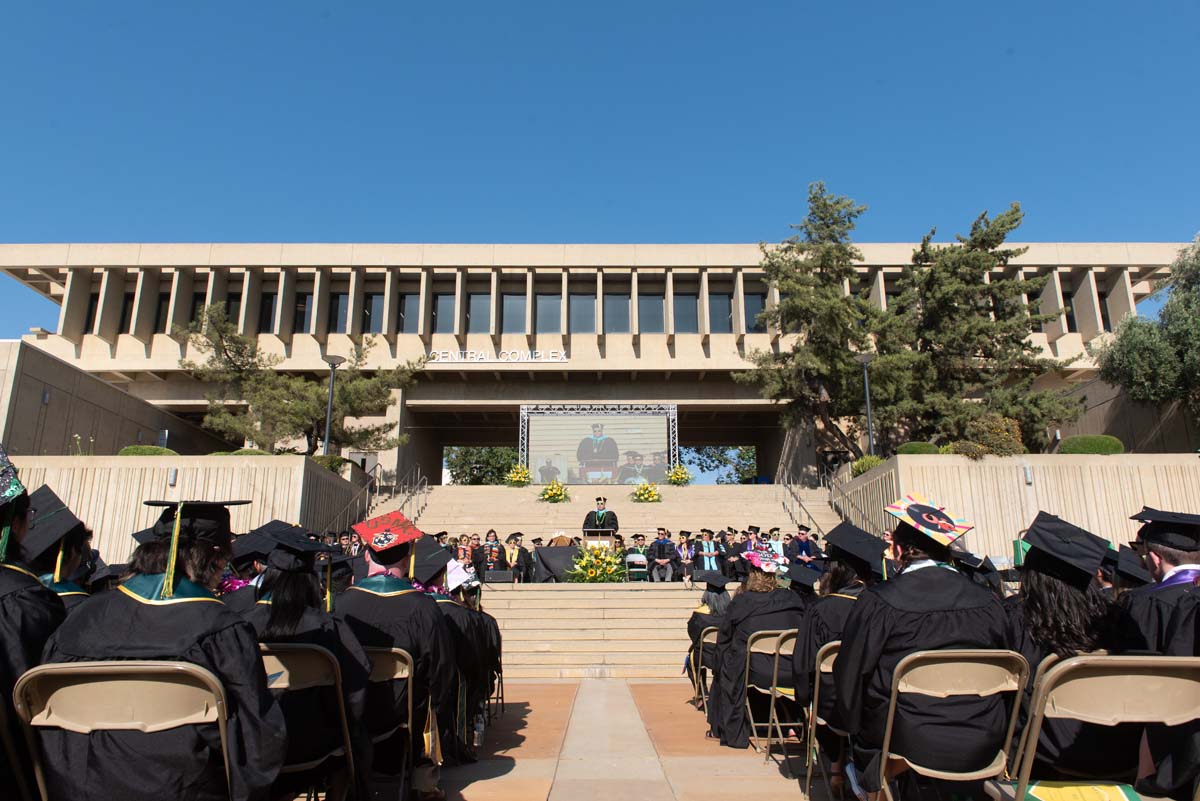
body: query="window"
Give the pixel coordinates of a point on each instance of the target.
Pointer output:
(548, 319)
(372, 313)
(616, 313)
(1105, 319)
(410, 314)
(162, 313)
(302, 315)
(512, 313)
(443, 313)
(479, 313)
(581, 313)
(720, 313)
(126, 314)
(650, 314)
(339, 308)
(266, 313)
(89, 323)
(754, 304)
(233, 307)
(1069, 310)
(687, 317)
(197, 307)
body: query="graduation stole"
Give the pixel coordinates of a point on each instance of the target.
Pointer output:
(511, 553)
(148, 588)
(493, 550)
(600, 515)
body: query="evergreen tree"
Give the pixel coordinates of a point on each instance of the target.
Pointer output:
(488, 465)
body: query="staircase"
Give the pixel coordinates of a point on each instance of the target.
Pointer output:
(475, 509)
(553, 631)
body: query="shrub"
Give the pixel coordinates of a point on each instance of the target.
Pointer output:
(1101, 444)
(946, 449)
(998, 434)
(864, 464)
(332, 462)
(249, 452)
(145, 450)
(971, 450)
(916, 448)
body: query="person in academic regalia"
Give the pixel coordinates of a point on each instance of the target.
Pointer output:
(385, 610)
(853, 562)
(1061, 611)
(707, 553)
(714, 603)
(55, 545)
(662, 557)
(598, 455)
(106, 578)
(1121, 571)
(601, 519)
(519, 559)
(801, 549)
(685, 556)
(292, 609)
(249, 564)
(29, 614)
(929, 605)
(980, 570)
(490, 555)
(760, 605)
(166, 610)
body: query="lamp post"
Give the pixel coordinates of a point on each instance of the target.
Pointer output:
(864, 359)
(333, 362)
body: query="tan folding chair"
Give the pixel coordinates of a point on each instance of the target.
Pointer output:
(767, 644)
(956, 672)
(785, 646)
(83, 697)
(1108, 690)
(395, 664)
(826, 656)
(699, 672)
(293, 667)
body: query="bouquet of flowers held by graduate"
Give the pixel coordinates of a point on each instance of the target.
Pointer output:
(597, 566)
(554, 492)
(679, 476)
(517, 476)
(647, 493)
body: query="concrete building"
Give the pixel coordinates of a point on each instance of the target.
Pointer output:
(508, 325)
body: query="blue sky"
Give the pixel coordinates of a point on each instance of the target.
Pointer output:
(622, 121)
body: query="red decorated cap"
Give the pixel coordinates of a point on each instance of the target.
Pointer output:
(387, 531)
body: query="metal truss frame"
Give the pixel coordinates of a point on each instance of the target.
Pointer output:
(669, 410)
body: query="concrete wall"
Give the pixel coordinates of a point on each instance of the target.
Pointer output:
(107, 492)
(45, 402)
(1142, 427)
(1000, 498)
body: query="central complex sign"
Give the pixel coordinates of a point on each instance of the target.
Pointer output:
(497, 357)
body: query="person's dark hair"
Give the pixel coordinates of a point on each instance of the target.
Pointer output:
(200, 561)
(75, 543)
(10, 513)
(917, 547)
(1174, 556)
(717, 602)
(758, 581)
(838, 577)
(291, 593)
(1062, 617)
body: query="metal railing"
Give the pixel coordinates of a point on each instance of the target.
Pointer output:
(793, 504)
(849, 509)
(359, 504)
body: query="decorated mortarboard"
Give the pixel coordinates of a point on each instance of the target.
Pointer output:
(802, 575)
(766, 561)
(429, 559)
(1127, 563)
(850, 542)
(384, 535)
(50, 522)
(928, 520)
(713, 580)
(10, 489)
(1063, 550)
(1179, 530)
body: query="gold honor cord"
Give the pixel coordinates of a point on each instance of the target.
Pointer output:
(168, 588)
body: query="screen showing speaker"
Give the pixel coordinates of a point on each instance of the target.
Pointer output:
(599, 449)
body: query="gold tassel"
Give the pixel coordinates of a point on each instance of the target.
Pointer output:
(58, 564)
(329, 585)
(433, 740)
(412, 564)
(168, 589)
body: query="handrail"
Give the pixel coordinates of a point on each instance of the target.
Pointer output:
(864, 519)
(787, 484)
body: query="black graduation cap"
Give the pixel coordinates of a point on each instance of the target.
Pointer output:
(50, 521)
(430, 558)
(292, 551)
(848, 541)
(340, 565)
(513, 536)
(198, 519)
(1178, 530)
(1063, 550)
(753, 529)
(144, 536)
(774, 530)
(601, 500)
(803, 575)
(708, 531)
(249, 547)
(108, 573)
(687, 534)
(536, 541)
(713, 580)
(803, 527)
(1127, 563)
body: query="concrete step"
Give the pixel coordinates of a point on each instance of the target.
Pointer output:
(649, 604)
(594, 672)
(572, 625)
(595, 647)
(652, 631)
(592, 614)
(560, 659)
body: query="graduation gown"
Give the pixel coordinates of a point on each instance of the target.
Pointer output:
(735, 564)
(713, 561)
(1177, 750)
(241, 600)
(748, 613)
(388, 612)
(663, 549)
(185, 762)
(824, 624)
(29, 614)
(470, 690)
(1146, 611)
(480, 557)
(927, 608)
(522, 564)
(604, 522)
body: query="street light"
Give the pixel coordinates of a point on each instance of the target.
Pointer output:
(333, 362)
(864, 359)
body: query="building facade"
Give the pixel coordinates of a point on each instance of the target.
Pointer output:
(507, 325)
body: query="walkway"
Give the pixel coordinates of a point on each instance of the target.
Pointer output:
(623, 739)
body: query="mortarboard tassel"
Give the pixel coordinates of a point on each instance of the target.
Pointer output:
(329, 585)
(168, 589)
(58, 564)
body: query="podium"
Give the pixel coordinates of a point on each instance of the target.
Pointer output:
(598, 537)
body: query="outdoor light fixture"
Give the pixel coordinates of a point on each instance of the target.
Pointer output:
(333, 362)
(864, 359)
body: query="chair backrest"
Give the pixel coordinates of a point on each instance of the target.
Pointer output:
(636, 559)
(785, 644)
(291, 667)
(1108, 690)
(146, 696)
(827, 655)
(760, 642)
(709, 635)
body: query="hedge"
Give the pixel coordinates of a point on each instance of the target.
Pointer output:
(1101, 444)
(916, 448)
(145, 450)
(332, 462)
(864, 464)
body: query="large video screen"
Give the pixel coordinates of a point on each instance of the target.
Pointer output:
(600, 449)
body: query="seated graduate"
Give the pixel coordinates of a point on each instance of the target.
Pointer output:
(107, 577)
(714, 603)
(290, 609)
(662, 557)
(759, 605)
(29, 614)
(248, 564)
(55, 545)
(854, 561)
(1062, 612)
(707, 552)
(1169, 544)
(166, 611)
(1122, 570)
(385, 610)
(980, 570)
(518, 558)
(685, 553)
(802, 580)
(928, 605)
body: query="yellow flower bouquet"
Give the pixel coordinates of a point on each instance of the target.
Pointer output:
(679, 476)
(517, 476)
(647, 493)
(554, 492)
(597, 566)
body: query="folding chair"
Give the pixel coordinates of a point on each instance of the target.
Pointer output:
(785, 645)
(14, 757)
(1107, 690)
(395, 664)
(767, 644)
(293, 667)
(149, 696)
(826, 657)
(956, 672)
(699, 672)
(636, 567)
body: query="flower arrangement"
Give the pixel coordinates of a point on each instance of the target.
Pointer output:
(647, 493)
(517, 476)
(554, 492)
(597, 566)
(680, 476)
